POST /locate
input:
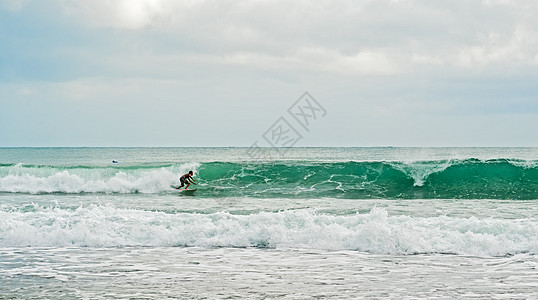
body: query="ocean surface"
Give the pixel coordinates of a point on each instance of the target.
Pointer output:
(301, 223)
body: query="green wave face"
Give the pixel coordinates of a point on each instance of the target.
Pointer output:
(445, 179)
(467, 179)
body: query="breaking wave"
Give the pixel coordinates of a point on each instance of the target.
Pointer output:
(446, 179)
(374, 232)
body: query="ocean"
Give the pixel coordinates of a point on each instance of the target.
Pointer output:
(380, 222)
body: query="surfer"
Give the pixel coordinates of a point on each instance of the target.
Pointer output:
(186, 180)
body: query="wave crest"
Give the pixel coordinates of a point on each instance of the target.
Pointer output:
(48, 179)
(447, 179)
(374, 232)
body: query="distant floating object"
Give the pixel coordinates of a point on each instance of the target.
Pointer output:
(114, 161)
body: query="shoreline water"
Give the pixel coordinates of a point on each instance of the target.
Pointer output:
(198, 273)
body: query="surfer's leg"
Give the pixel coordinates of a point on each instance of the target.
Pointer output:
(187, 186)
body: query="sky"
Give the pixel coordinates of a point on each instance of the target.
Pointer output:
(230, 73)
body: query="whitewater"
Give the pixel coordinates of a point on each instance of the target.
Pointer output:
(310, 222)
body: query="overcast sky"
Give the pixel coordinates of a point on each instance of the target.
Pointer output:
(221, 73)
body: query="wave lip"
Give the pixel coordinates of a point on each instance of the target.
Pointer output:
(374, 232)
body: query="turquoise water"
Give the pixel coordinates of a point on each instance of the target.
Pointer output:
(310, 222)
(371, 173)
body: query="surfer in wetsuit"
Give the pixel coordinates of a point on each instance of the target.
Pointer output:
(186, 180)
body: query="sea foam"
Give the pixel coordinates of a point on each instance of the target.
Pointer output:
(374, 232)
(47, 179)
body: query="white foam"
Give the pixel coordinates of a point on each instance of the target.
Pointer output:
(375, 232)
(420, 170)
(55, 180)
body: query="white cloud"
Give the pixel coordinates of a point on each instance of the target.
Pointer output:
(496, 2)
(518, 47)
(426, 59)
(122, 14)
(366, 62)
(372, 37)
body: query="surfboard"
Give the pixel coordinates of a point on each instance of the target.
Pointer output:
(182, 190)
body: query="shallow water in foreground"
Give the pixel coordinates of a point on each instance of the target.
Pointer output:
(341, 249)
(162, 272)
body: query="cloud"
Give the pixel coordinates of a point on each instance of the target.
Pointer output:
(317, 59)
(514, 48)
(121, 14)
(387, 60)
(371, 37)
(347, 38)
(426, 59)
